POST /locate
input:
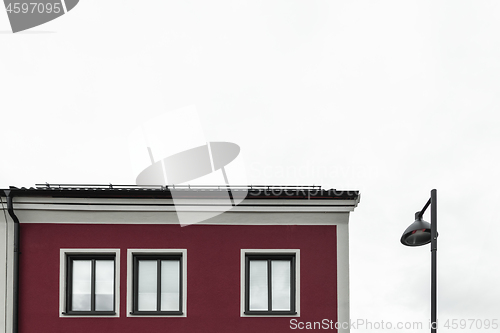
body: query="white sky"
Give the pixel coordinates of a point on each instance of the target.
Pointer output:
(392, 98)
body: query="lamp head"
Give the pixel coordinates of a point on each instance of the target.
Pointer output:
(418, 233)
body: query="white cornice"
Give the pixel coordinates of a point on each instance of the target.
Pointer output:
(192, 205)
(163, 211)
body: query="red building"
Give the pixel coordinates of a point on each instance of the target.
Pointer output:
(115, 259)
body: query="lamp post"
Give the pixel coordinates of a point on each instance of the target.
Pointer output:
(420, 233)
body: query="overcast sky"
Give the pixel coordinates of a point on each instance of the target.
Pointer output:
(392, 98)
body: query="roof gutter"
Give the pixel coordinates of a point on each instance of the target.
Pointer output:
(15, 308)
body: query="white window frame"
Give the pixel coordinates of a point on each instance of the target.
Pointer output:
(244, 253)
(63, 254)
(130, 276)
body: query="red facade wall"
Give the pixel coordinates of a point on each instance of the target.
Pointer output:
(213, 274)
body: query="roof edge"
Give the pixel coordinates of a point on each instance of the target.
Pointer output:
(268, 192)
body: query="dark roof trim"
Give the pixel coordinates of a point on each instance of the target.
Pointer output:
(114, 191)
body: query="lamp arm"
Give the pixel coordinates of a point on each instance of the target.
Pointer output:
(419, 214)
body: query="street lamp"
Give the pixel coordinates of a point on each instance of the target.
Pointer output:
(421, 233)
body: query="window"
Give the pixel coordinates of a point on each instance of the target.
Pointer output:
(89, 282)
(158, 282)
(270, 283)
